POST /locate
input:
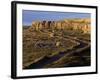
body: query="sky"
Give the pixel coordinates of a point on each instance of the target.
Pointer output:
(28, 16)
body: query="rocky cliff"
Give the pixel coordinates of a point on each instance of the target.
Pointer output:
(67, 24)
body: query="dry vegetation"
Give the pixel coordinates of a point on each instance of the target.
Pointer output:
(41, 43)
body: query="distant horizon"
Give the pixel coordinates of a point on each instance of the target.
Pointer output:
(28, 16)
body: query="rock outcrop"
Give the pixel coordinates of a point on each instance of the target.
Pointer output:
(67, 24)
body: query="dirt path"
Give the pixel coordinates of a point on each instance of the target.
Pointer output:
(40, 64)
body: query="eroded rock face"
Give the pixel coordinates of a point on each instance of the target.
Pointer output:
(68, 24)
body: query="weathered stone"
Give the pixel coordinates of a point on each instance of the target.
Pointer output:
(68, 24)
